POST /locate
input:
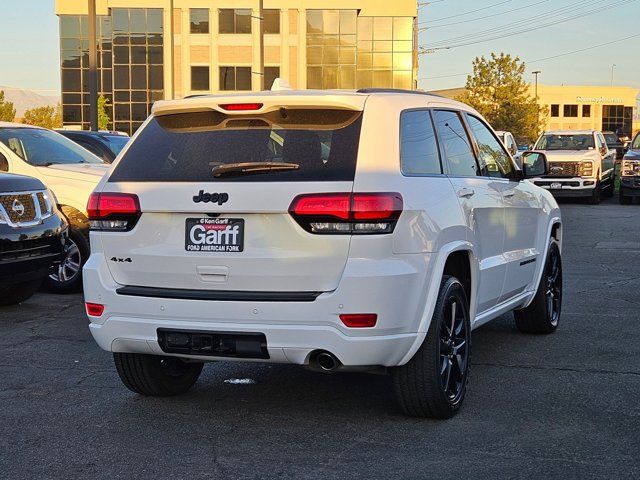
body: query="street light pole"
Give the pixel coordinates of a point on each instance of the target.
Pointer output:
(536, 73)
(612, 67)
(93, 67)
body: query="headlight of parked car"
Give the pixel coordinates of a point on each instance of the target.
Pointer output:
(586, 169)
(630, 167)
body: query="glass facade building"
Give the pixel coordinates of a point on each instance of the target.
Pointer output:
(152, 52)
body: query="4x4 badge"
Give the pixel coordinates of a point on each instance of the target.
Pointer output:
(218, 198)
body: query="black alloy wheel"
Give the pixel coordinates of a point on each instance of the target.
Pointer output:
(454, 352)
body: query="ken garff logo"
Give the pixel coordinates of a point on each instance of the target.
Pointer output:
(18, 207)
(218, 198)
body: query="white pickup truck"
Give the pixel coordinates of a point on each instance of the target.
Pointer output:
(580, 164)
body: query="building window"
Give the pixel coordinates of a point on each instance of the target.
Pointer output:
(555, 110)
(234, 20)
(200, 79)
(570, 111)
(199, 18)
(586, 110)
(235, 78)
(270, 74)
(271, 21)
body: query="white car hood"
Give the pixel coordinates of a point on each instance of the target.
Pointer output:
(570, 155)
(80, 171)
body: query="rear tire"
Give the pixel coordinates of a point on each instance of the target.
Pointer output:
(596, 195)
(624, 199)
(543, 314)
(434, 382)
(19, 292)
(155, 375)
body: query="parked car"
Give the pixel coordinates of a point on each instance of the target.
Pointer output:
(580, 164)
(630, 172)
(508, 141)
(615, 143)
(33, 234)
(104, 145)
(363, 241)
(70, 172)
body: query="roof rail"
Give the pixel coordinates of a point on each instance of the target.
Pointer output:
(397, 90)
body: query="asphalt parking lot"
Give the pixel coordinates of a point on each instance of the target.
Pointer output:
(556, 406)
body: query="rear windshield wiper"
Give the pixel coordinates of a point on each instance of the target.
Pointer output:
(247, 168)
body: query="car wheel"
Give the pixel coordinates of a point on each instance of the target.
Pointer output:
(19, 292)
(68, 276)
(624, 199)
(596, 195)
(611, 188)
(543, 314)
(155, 375)
(434, 382)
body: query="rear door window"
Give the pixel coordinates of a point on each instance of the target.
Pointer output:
(456, 146)
(316, 145)
(418, 146)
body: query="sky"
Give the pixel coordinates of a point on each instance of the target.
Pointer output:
(29, 56)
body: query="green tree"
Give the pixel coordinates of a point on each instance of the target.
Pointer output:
(7, 112)
(47, 117)
(499, 92)
(103, 117)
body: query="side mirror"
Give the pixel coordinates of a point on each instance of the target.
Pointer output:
(4, 164)
(534, 164)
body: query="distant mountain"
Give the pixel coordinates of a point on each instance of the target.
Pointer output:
(25, 99)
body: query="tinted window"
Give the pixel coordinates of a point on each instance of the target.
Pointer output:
(555, 110)
(635, 145)
(237, 78)
(571, 110)
(200, 78)
(271, 21)
(199, 19)
(565, 142)
(38, 146)
(186, 147)
(611, 138)
(494, 161)
(93, 149)
(455, 144)
(270, 74)
(586, 110)
(418, 146)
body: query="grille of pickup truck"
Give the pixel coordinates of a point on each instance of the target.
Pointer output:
(564, 169)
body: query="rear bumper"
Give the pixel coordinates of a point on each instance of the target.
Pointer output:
(392, 288)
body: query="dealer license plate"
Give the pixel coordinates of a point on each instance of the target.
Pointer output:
(207, 234)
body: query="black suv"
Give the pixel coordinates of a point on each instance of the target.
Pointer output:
(104, 145)
(32, 236)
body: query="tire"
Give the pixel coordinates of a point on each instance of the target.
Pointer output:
(19, 292)
(624, 199)
(543, 314)
(596, 195)
(156, 376)
(611, 190)
(422, 387)
(68, 277)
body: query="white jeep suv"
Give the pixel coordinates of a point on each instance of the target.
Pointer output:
(336, 230)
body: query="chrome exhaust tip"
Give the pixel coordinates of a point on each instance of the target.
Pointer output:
(327, 361)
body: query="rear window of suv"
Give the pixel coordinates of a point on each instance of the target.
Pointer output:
(312, 145)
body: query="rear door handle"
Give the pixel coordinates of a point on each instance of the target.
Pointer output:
(466, 192)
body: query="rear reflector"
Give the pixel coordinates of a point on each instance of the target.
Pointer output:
(113, 211)
(359, 320)
(240, 107)
(347, 213)
(94, 309)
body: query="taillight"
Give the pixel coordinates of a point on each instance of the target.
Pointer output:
(241, 107)
(359, 320)
(347, 213)
(113, 211)
(94, 309)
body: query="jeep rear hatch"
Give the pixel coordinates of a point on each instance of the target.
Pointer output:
(214, 186)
